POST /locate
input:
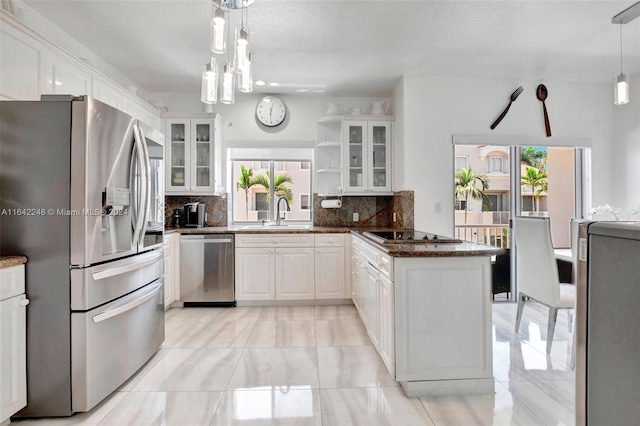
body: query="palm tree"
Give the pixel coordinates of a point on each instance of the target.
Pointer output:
(245, 182)
(466, 186)
(279, 181)
(533, 157)
(535, 179)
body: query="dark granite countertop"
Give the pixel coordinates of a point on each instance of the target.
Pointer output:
(257, 229)
(9, 261)
(463, 249)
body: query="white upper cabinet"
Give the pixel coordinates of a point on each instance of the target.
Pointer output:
(20, 65)
(31, 66)
(191, 149)
(353, 155)
(367, 156)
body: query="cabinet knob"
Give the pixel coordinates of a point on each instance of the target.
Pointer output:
(24, 302)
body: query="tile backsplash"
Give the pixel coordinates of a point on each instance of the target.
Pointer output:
(216, 208)
(373, 211)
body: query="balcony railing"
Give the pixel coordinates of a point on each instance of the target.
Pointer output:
(491, 235)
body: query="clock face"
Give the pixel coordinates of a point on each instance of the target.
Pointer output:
(271, 111)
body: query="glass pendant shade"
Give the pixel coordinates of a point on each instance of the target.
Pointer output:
(241, 58)
(621, 90)
(228, 92)
(245, 78)
(218, 41)
(209, 88)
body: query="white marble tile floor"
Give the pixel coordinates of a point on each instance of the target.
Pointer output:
(307, 365)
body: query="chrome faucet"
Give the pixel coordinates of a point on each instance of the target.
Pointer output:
(278, 209)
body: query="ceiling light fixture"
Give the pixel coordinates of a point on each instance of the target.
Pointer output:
(241, 64)
(621, 86)
(260, 83)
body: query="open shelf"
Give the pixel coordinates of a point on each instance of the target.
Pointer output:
(327, 144)
(332, 170)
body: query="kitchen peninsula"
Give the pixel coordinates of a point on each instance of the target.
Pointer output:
(426, 304)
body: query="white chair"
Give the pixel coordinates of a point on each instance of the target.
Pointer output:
(537, 271)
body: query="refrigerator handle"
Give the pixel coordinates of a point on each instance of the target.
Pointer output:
(152, 291)
(146, 182)
(139, 188)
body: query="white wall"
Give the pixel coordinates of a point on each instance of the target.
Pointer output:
(436, 108)
(626, 149)
(298, 130)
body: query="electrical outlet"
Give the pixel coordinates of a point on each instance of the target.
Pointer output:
(438, 207)
(395, 218)
(355, 217)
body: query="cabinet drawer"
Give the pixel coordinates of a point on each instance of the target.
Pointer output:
(330, 240)
(275, 240)
(11, 281)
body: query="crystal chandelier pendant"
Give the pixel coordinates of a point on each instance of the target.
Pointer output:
(218, 23)
(228, 92)
(209, 88)
(241, 57)
(245, 78)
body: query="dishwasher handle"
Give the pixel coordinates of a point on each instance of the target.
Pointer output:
(201, 239)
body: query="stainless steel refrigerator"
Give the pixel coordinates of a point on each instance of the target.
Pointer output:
(608, 324)
(81, 196)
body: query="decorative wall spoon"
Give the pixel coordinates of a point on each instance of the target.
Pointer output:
(541, 94)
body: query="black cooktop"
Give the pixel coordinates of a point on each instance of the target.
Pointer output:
(409, 237)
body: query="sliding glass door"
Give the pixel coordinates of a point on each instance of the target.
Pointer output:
(495, 183)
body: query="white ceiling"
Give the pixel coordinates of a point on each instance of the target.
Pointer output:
(358, 47)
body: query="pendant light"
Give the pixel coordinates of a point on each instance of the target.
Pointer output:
(209, 87)
(621, 88)
(218, 41)
(228, 90)
(245, 78)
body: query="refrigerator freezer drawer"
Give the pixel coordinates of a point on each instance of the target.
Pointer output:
(93, 286)
(112, 342)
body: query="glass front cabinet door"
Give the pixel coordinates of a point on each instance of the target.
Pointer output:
(190, 156)
(367, 156)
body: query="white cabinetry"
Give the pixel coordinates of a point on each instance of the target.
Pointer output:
(32, 66)
(63, 77)
(353, 155)
(367, 156)
(429, 318)
(387, 341)
(20, 65)
(329, 155)
(13, 339)
(330, 266)
(274, 267)
(278, 266)
(294, 273)
(255, 273)
(171, 268)
(191, 166)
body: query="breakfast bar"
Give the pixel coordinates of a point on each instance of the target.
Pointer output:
(426, 303)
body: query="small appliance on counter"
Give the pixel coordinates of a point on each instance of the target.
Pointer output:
(194, 214)
(176, 218)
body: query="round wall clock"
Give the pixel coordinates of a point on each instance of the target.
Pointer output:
(271, 111)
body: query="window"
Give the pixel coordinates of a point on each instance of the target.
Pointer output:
(305, 165)
(260, 201)
(462, 162)
(258, 185)
(461, 204)
(494, 203)
(496, 165)
(304, 202)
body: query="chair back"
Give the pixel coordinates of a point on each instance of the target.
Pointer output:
(536, 266)
(575, 223)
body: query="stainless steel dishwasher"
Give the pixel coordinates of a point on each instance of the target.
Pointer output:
(207, 270)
